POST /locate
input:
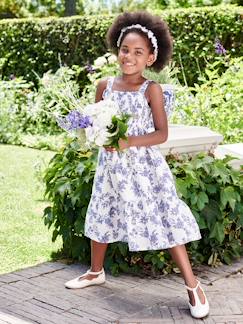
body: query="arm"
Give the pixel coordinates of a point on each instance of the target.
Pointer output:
(160, 135)
(100, 89)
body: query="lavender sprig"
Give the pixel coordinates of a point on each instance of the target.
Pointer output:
(74, 121)
(219, 48)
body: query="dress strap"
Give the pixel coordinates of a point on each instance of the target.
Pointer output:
(144, 86)
(109, 84)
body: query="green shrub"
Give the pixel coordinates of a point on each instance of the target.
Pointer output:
(28, 45)
(28, 116)
(216, 102)
(209, 186)
(13, 102)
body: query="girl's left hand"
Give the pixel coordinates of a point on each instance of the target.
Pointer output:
(122, 146)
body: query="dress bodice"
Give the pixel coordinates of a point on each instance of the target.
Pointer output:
(135, 104)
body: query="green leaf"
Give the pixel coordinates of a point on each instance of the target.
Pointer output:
(55, 235)
(194, 198)
(218, 232)
(227, 257)
(211, 188)
(122, 248)
(80, 168)
(182, 187)
(202, 200)
(240, 221)
(211, 213)
(79, 226)
(229, 195)
(202, 223)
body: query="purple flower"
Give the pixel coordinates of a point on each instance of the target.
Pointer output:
(73, 121)
(90, 69)
(219, 48)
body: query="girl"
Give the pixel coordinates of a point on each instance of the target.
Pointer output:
(134, 198)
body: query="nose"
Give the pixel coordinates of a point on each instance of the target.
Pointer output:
(128, 54)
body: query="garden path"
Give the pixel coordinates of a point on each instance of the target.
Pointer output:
(37, 295)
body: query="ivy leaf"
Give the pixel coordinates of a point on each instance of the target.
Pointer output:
(218, 232)
(80, 168)
(219, 170)
(122, 248)
(79, 226)
(211, 213)
(229, 195)
(202, 200)
(181, 186)
(211, 188)
(194, 198)
(240, 221)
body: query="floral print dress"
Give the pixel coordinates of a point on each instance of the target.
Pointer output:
(134, 199)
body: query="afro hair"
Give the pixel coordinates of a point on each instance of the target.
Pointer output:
(151, 22)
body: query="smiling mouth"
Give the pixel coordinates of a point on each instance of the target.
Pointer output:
(128, 64)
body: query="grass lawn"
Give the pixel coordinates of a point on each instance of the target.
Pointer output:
(24, 239)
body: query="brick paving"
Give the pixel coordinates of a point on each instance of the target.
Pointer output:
(37, 295)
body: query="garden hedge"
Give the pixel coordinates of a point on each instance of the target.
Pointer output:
(28, 45)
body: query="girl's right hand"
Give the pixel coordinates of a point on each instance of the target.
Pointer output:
(110, 148)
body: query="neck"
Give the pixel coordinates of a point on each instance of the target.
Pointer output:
(132, 79)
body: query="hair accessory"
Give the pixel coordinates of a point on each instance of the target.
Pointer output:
(149, 33)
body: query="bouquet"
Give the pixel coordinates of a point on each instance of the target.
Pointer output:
(96, 125)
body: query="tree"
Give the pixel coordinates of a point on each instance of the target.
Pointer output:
(12, 8)
(70, 7)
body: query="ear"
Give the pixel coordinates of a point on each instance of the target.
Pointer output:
(150, 60)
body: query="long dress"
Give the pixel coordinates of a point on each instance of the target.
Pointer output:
(134, 199)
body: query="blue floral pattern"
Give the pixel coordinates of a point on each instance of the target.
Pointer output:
(134, 199)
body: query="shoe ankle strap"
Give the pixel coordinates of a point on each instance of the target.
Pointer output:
(195, 288)
(95, 273)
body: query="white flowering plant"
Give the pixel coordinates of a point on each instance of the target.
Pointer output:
(96, 125)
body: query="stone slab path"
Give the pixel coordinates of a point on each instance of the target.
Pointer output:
(37, 295)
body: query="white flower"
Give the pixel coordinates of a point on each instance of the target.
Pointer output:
(101, 137)
(101, 114)
(100, 61)
(112, 59)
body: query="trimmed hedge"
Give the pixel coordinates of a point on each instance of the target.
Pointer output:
(28, 45)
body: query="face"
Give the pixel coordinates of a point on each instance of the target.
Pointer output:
(134, 54)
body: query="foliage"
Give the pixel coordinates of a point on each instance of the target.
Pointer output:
(45, 8)
(36, 8)
(28, 116)
(13, 96)
(68, 182)
(216, 102)
(39, 45)
(167, 76)
(213, 190)
(209, 186)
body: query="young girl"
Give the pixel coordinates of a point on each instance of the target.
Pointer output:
(134, 198)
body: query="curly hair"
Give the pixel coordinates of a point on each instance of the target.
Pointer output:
(151, 22)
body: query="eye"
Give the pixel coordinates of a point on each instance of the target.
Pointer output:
(138, 53)
(124, 50)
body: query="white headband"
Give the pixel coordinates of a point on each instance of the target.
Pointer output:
(149, 33)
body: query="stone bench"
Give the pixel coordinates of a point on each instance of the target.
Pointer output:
(190, 139)
(235, 150)
(195, 139)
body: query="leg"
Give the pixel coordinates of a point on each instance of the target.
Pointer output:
(180, 256)
(98, 251)
(89, 278)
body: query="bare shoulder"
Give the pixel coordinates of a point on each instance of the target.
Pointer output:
(102, 84)
(153, 90)
(154, 87)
